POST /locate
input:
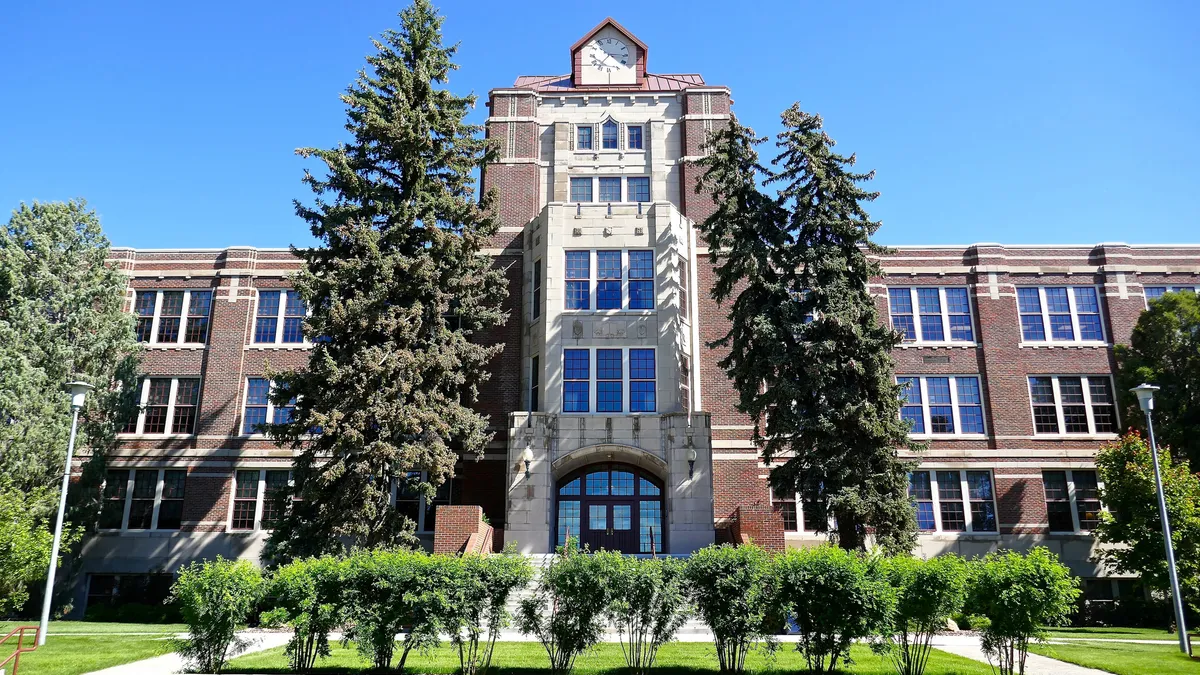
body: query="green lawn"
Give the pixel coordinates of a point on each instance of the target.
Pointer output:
(1123, 658)
(514, 658)
(1115, 633)
(69, 651)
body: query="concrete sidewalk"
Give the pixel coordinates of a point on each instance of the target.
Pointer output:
(1036, 664)
(173, 663)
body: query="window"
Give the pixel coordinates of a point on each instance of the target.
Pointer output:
(610, 189)
(116, 590)
(172, 317)
(1156, 292)
(535, 385)
(421, 510)
(622, 277)
(937, 405)
(608, 135)
(166, 403)
(279, 318)
(255, 498)
(581, 189)
(1060, 314)
(619, 374)
(684, 281)
(804, 519)
(583, 137)
(142, 499)
(633, 137)
(1072, 404)
(953, 501)
(536, 309)
(942, 314)
(259, 410)
(1072, 500)
(638, 188)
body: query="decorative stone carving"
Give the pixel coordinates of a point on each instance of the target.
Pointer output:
(577, 328)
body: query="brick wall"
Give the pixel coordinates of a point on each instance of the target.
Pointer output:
(758, 525)
(460, 529)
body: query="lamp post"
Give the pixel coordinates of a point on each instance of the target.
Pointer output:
(1145, 394)
(79, 392)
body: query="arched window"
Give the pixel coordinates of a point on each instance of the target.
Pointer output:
(616, 507)
(608, 135)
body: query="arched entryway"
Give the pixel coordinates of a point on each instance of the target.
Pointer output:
(612, 506)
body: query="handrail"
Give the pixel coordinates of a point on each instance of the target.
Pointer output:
(15, 657)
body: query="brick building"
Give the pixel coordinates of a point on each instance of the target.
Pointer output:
(612, 420)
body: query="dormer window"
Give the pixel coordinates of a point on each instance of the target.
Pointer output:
(609, 135)
(583, 137)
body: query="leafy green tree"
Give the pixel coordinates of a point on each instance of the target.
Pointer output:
(480, 605)
(565, 611)
(1132, 524)
(26, 536)
(400, 290)
(735, 593)
(306, 596)
(808, 355)
(215, 597)
(1019, 595)
(649, 605)
(929, 592)
(62, 318)
(834, 597)
(1165, 350)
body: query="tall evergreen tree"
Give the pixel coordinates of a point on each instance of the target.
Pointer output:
(808, 356)
(62, 318)
(399, 290)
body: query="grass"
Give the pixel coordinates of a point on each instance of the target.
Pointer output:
(1123, 658)
(677, 658)
(1115, 633)
(70, 651)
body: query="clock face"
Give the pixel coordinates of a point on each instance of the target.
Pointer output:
(607, 55)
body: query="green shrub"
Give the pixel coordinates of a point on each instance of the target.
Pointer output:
(835, 597)
(649, 604)
(214, 597)
(566, 610)
(929, 593)
(481, 596)
(389, 591)
(1018, 595)
(306, 596)
(734, 591)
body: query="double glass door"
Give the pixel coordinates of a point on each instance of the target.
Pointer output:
(614, 507)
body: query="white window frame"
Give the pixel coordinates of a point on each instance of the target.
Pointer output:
(966, 501)
(144, 398)
(183, 318)
(626, 393)
(1087, 404)
(945, 312)
(1072, 499)
(158, 491)
(421, 500)
(280, 319)
(625, 137)
(801, 528)
(1074, 315)
(1170, 288)
(246, 402)
(925, 405)
(258, 499)
(594, 281)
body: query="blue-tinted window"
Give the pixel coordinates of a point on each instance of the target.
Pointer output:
(267, 320)
(641, 386)
(930, 306)
(970, 405)
(641, 397)
(911, 410)
(639, 189)
(576, 373)
(568, 522)
(1030, 305)
(641, 264)
(578, 290)
(920, 491)
(581, 189)
(958, 306)
(608, 364)
(608, 135)
(257, 396)
(641, 364)
(1059, 308)
(941, 413)
(610, 189)
(641, 284)
(900, 305)
(583, 137)
(634, 134)
(608, 289)
(1087, 308)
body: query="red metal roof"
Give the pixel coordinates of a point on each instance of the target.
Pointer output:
(551, 84)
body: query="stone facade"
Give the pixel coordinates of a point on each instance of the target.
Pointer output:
(994, 468)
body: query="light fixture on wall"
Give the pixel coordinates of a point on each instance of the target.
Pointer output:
(691, 458)
(527, 457)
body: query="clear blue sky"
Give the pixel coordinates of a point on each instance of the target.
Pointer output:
(1020, 122)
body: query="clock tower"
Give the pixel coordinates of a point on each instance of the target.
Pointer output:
(608, 55)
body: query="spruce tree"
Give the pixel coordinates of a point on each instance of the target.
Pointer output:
(808, 355)
(62, 318)
(399, 291)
